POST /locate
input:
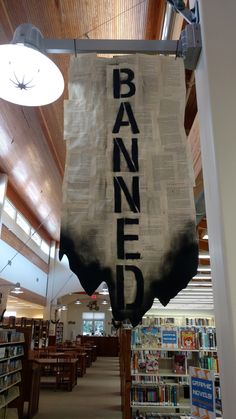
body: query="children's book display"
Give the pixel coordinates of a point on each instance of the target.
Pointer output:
(161, 355)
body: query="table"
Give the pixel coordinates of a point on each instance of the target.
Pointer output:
(81, 356)
(62, 371)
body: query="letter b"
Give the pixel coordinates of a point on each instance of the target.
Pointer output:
(117, 82)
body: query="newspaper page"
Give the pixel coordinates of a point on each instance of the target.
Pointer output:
(128, 215)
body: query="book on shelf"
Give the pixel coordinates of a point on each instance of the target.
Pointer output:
(146, 379)
(163, 395)
(173, 337)
(155, 415)
(207, 338)
(10, 335)
(146, 337)
(208, 362)
(188, 339)
(179, 364)
(200, 321)
(152, 364)
(2, 352)
(145, 361)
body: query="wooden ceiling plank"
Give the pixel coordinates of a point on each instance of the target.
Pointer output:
(194, 143)
(155, 19)
(49, 139)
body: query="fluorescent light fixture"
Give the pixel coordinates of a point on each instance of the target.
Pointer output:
(204, 256)
(187, 307)
(104, 290)
(9, 313)
(27, 76)
(204, 268)
(195, 284)
(17, 289)
(195, 293)
(202, 276)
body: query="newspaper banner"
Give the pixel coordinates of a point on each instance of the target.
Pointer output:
(202, 393)
(128, 215)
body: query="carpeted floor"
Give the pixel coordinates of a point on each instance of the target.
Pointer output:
(97, 395)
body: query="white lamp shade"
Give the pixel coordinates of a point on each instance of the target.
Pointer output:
(28, 77)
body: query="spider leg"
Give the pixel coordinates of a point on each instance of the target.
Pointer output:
(26, 84)
(16, 79)
(16, 84)
(29, 87)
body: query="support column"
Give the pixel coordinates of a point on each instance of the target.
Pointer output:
(3, 189)
(216, 95)
(49, 309)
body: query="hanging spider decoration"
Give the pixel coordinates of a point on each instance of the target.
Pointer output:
(93, 305)
(21, 85)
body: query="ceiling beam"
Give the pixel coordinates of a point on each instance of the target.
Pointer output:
(155, 19)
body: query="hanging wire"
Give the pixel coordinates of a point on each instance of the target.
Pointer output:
(112, 18)
(63, 286)
(9, 262)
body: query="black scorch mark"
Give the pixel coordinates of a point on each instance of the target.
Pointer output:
(179, 265)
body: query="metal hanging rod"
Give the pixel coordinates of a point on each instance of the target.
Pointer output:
(108, 46)
(188, 46)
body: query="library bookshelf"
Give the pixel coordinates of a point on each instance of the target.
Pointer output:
(59, 333)
(11, 354)
(154, 371)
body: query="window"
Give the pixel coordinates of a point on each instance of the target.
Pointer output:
(9, 209)
(36, 237)
(93, 324)
(21, 221)
(45, 247)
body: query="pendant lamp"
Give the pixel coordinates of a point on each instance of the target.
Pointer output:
(27, 76)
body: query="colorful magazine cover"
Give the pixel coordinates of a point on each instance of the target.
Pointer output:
(188, 339)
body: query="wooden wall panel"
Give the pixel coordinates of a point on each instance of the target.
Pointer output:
(27, 295)
(155, 19)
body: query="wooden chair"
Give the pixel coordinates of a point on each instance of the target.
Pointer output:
(65, 373)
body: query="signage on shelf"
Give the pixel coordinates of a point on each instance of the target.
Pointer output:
(169, 338)
(202, 393)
